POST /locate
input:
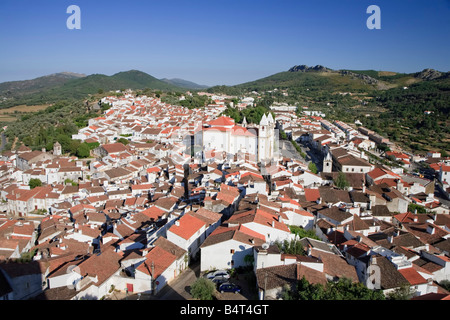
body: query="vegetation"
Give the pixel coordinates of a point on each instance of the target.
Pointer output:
(58, 122)
(203, 289)
(312, 167)
(299, 149)
(408, 116)
(412, 207)
(412, 116)
(445, 284)
(302, 233)
(26, 257)
(33, 183)
(405, 292)
(341, 181)
(80, 88)
(291, 247)
(190, 101)
(251, 114)
(344, 289)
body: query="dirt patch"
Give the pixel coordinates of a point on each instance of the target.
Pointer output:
(24, 109)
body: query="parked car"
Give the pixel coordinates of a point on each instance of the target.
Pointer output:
(229, 287)
(217, 273)
(218, 280)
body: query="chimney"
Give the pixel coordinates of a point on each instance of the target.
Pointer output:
(399, 184)
(431, 229)
(273, 223)
(390, 238)
(177, 223)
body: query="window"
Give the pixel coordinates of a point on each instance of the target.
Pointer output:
(232, 251)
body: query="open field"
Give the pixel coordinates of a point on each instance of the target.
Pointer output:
(10, 114)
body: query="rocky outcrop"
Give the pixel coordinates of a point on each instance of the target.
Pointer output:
(429, 74)
(305, 68)
(364, 77)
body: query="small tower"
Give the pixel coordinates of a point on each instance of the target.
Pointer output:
(327, 163)
(57, 151)
(244, 122)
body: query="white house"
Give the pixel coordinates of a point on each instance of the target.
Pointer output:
(163, 263)
(262, 222)
(229, 247)
(188, 232)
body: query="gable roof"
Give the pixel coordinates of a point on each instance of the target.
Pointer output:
(188, 226)
(336, 266)
(103, 265)
(279, 276)
(156, 262)
(112, 148)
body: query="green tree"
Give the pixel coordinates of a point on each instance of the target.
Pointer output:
(64, 141)
(302, 233)
(341, 181)
(312, 167)
(123, 141)
(412, 207)
(83, 151)
(445, 284)
(404, 292)
(33, 183)
(249, 259)
(203, 289)
(73, 146)
(291, 247)
(344, 289)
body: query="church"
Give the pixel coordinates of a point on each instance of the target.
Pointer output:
(223, 135)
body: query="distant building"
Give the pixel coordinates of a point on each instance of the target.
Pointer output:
(57, 150)
(223, 135)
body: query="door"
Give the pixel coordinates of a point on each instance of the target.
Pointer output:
(129, 287)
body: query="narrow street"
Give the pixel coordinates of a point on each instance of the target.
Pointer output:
(179, 289)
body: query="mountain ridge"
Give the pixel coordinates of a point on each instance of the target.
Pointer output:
(69, 85)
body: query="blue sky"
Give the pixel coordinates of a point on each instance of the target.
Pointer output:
(220, 42)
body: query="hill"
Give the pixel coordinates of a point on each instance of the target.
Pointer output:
(409, 108)
(65, 86)
(302, 78)
(21, 88)
(184, 83)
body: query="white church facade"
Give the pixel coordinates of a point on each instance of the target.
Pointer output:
(223, 135)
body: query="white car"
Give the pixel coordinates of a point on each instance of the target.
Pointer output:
(218, 273)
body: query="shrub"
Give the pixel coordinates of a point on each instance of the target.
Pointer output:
(203, 289)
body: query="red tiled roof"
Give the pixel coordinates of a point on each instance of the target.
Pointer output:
(154, 212)
(312, 194)
(222, 121)
(412, 276)
(158, 259)
(189, 225)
